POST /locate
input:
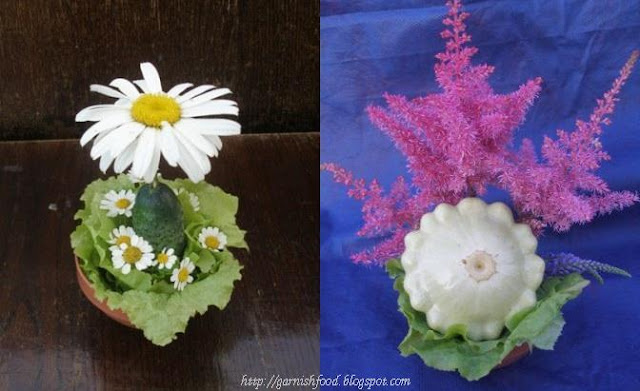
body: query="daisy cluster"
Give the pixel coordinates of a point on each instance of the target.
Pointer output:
(129, 249)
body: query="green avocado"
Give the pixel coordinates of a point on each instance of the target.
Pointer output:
(158, 218)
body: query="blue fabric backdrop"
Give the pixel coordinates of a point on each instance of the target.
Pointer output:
(577, 47)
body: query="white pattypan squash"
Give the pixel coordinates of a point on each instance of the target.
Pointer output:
(471, 265)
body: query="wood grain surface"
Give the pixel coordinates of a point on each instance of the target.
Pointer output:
(52, 338)
(266, 51)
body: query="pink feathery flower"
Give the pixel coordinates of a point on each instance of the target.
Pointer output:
(458, 142)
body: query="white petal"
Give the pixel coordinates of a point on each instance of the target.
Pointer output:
(108, 91)
(189, 165)
(142, 84)
(112, 121)
(117, 140)
(124, 102)
(216, 141)
(126, 268)
(151, 77)
(153, 167)
(178, 89)
(126, 87)
(144, 152)
(168, 145)
(97, 112)
(105, 161)
(213, 126)
(195, 92)
(125, 159)
(130, 133)
(191, 168)
(216, 107)
(117, 262)
(201, 159)
(100, 147)
(111, 195)
(205, 97)
(193, 135)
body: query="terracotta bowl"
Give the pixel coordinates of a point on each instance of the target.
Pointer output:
(516, 354)
(89, 292)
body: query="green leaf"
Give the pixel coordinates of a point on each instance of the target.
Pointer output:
(217, 209)
(548, 337)
(221, 207)
(82, 242)
(539, 327)
(205, 261)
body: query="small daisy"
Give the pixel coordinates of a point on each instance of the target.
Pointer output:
(121, 235)
(212, 238)
(182, 275)
(145, 122)
(119, 203)
(166, 259)
(195, 201)
(138, 253)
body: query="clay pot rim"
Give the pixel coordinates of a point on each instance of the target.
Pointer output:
(87, 289)
(514, 355)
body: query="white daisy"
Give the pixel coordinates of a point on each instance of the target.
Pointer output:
(182, 275)
(145, 122)
(118, 203)
(212, 238)
(121, 235)
(138, 253)
(165, 259)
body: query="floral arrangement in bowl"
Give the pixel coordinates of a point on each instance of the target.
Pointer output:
(474, 291)
(154, 251)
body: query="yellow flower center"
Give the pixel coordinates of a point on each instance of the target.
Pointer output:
(212, 242)
(183, 274)
(162, 258)
(132, 255)
(154, 109)
(123, 203)
(123, 239)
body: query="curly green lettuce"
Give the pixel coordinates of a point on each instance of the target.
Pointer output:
(538, 327)
(150, 301)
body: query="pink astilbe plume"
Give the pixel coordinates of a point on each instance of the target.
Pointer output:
(458, 142)
(566, 174)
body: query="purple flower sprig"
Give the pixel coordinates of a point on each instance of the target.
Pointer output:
(561, 264)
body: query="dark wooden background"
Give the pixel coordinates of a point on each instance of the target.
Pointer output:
(266, 51)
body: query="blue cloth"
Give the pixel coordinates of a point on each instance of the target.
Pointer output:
(577, 47)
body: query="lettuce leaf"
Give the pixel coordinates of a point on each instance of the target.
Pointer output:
(539, 327)
(161, 315)
(217, 209)
(150, 301)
